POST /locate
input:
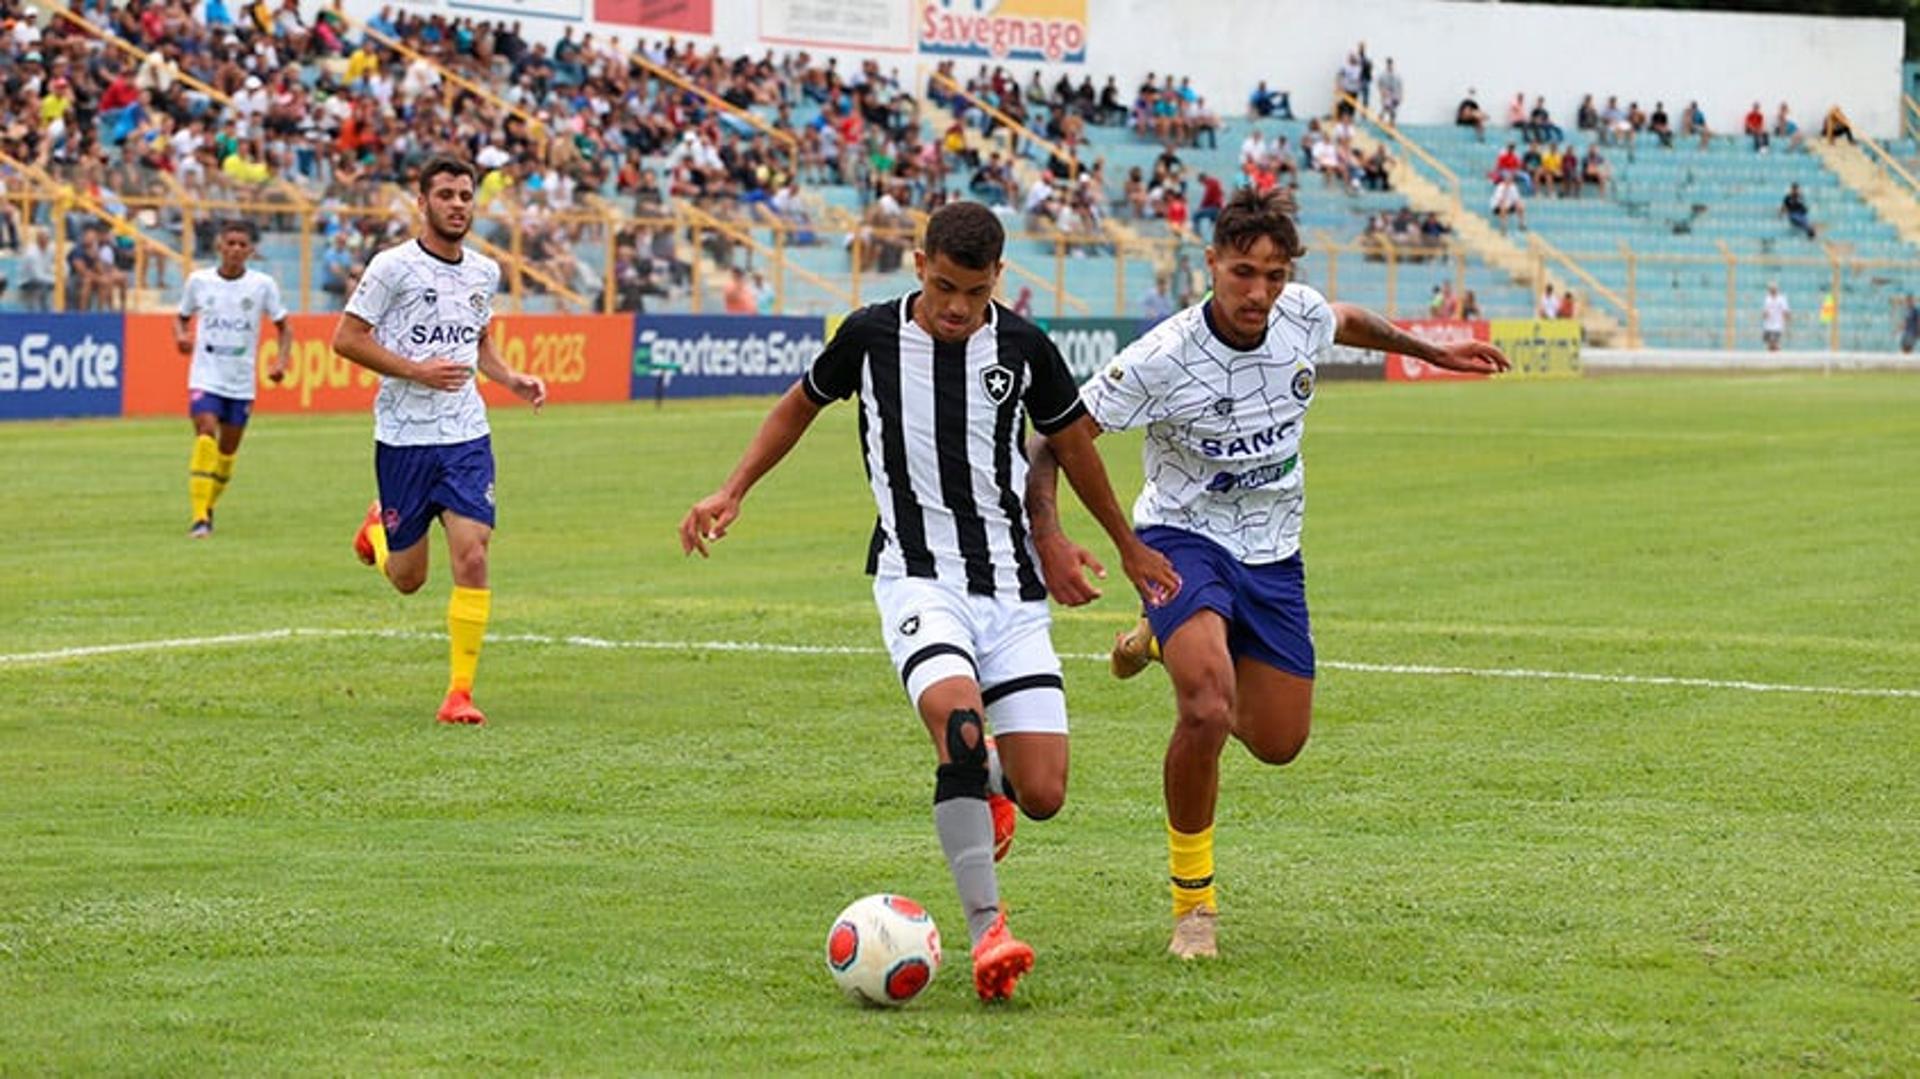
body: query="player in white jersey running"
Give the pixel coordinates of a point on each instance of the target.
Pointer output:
(946, 381)
(1222, 389)
(229, 301)
(419, 319)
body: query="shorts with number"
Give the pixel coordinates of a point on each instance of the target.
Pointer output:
(1264, 604)
(936, 630)
(230, 411)
(418, 482)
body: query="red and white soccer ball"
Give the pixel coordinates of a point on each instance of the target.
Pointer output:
(883, 949)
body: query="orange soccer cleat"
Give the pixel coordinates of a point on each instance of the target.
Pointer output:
(363, 540)
(999, 961)
(458, 709)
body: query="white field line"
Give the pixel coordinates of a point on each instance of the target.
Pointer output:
(21, 659)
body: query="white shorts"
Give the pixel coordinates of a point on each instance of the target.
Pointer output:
(935, 630)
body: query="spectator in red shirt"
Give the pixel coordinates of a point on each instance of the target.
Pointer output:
(1756, 128)
(1212, 198)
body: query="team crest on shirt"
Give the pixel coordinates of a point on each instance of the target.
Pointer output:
(478, 301)
(430, 296)
(246, 304)
(1223, 407)
(1303, 384)
(998, 382)
(910, 625)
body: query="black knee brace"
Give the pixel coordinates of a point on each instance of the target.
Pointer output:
(966, 775)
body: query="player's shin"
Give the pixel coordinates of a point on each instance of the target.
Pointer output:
(222, 475)
(1190, 869)
(467, 615)
(965, 825)
(201, 475)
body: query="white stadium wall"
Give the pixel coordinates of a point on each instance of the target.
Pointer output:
(1725, 60)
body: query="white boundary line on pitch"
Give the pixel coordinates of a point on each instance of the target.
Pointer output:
(19, 659)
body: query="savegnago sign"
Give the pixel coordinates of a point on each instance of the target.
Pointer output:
(1054, 31)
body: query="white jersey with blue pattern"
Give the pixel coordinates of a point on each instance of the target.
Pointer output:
(421, 306)
(1223, 425)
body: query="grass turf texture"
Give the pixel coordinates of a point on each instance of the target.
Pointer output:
(266, 857)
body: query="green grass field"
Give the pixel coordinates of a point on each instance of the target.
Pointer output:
(264, 857)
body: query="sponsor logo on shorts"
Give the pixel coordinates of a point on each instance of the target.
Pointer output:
(390, 518)
(489, 495)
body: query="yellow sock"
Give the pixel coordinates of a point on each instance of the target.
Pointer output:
(222, 475)
(1190, 865)
(377, 535)
(200, 476)
(1153, 649)
(466, 626)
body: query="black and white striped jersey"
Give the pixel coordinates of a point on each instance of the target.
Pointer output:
(941, 432)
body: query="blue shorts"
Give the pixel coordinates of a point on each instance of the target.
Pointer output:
(1265, 606)
(230, 411)
(418, 482)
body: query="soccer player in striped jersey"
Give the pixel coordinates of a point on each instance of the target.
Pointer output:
(419, 319)
(1222, 389)
(219, 327)
(947, 380)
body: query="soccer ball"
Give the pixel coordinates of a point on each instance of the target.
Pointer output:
(883, 949)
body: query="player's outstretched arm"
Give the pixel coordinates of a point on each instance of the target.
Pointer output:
(1358, 327)
(277, 367)
(1147, 568)
(353, 338)
(529, 388)
(1062, 561)
(708, 520)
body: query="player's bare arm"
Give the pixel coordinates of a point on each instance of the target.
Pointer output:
(277, 367)
(708, 520)
(1062, 561)
(353, 338)
(529, 388)
(182, 337)
(1358, 327)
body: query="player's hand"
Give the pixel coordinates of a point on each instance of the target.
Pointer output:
(1150, 573)
(1477, 357)
(440, 373)
(1062, 563)
(277, 367)
(183, 343)
(529, 388)
(707, 522)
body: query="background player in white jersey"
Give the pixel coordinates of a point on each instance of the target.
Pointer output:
(419, 318)
(1222, 389)
(228, 300)
(946, 380)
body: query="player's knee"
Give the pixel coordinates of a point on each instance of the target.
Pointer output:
(965, 773)
(1206, 712)
(1044, 799)
(470, 567)
(406, 583)
(1277, 747)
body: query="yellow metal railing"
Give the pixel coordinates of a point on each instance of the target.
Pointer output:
(1054, 150)
(1449, 178)
(784, 139)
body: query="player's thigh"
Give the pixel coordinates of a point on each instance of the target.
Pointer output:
(467, 542)
(1201, 668)
(930, 639)
(205, 420)
(1273, 710)
(1025, 698)
(407, 477)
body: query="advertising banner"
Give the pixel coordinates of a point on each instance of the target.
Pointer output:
(1046, 31)
(1538, 348)
(864, 25)
(61, 365)
(582, 357)
(1088, 344)
(1407, 369)
(683, 16)
(716, 355)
